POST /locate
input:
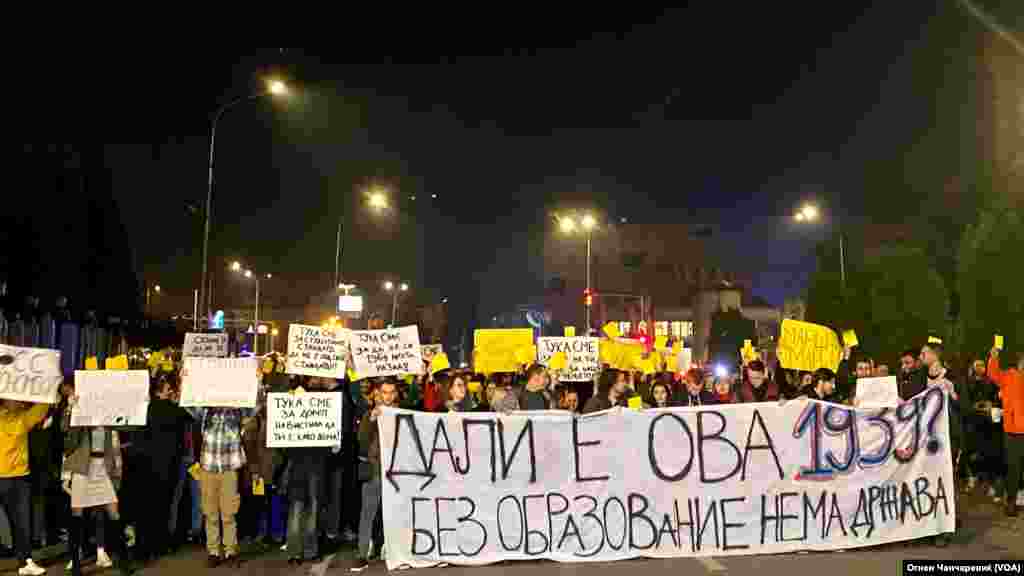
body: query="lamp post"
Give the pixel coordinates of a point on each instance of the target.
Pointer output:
(275, 88)
(377, 199)
(237, 267)
(395, 290)
(149, 289)
(587, 223)
(809, 213)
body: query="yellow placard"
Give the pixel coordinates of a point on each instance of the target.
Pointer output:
(193, 471)
(934, 340)
(300, 390)
(611, 330)
(494, 350)
(268, 366)
(645, 365)
(806, 346)
(558, 361)
(439, 362)
(660, 341)
(570, 331)
(850, 339)
(999, 342)
(474, 386)
(91, 363)
(677, 347)
(259, 488)
(526, 354)
(352, 376)
(636, 403)
(118, 362)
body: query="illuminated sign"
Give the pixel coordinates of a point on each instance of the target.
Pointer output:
(350, 303)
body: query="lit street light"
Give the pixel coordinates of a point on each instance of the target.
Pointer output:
(809, 213)
(274, 88)
(588, 223)
(389, 286)
(237, 267)
(377, 199)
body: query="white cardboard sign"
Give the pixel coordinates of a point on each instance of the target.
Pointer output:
(309, 419)
(205, 345)
(389, 352)
(584, 360)
(878, 392)
(220, 382)
(30, 374)
(316, 351)
(111, 398)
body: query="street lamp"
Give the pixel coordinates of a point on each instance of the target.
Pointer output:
(809, 213)
(588, 224)
(389, 286)
(274, 88)
(237, 267)
(149, 290)
(377, 199)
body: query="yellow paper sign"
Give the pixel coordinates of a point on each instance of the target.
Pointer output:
(636, 403)
(999, 342)
(352, 376)
(439, 362)
(193, 471)
(850, 339)
(645, 365)
(558, 361)
(934, 340)
(300, 390)
(611, 329)
(91, 363)
(268, 366)
(155, 359)
(661, 341)
(570, 331)
(677, 347)
(806, 346)
(258, 488)
(473, 386)
(526, 354)
(494, 350)
(118, 362)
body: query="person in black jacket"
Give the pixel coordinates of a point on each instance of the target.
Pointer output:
(911, 376)
(990, 465)
(695, 394)
(611, 391)
(342, 512)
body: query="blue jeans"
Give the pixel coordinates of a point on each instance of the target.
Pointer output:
(303, 533)
(197, 509)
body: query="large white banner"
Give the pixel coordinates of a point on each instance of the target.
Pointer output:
(316, 351)
(220, 382)
(390, 352)
(711, 481)
(111, 398)
(305, 419)
(584, 360)
(205, 345)
(29, 374)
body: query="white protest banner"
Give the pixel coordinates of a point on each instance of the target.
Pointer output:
(111, 398)
(880, 392)
(306, 419)
(30, 374)
(316, 351)
(389, 352)
(220, 382)
(205, 345)
(723, 480)
(584, 360)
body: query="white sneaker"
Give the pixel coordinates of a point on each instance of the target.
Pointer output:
(1020, 498)
(31, 569)
(102, 560)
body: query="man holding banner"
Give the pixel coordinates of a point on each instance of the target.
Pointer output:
(387, 397)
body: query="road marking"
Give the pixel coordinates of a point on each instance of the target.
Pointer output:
(711, 564)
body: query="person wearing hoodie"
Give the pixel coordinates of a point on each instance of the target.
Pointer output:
(611, 392)
(1011, 393)
(16, 420)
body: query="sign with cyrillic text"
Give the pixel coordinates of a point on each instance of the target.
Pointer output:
(390, 352)
(29, 374)
(111, 398)
(316, 351)
(220, 382)
(582, 353)
(758, 478)
(806, 346)
(205, 345)
(308, 419)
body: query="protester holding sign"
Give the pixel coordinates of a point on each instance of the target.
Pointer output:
(92, 468)
(611, 391)
(16, 419)
(369, 440)
(757, 386)
(535, 395)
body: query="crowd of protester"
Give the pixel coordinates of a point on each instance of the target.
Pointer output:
(205, 475)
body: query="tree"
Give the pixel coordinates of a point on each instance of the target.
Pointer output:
(991, 280)
(894, 298)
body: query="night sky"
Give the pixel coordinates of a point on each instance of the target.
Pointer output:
(728, 116)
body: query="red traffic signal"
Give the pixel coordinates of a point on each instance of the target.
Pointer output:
(588, 298)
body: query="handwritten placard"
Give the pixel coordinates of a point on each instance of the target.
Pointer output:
(111, 398)
(878, 392)
(310, 419)
(494, 349)
(220, 382)
(806, 346)
(582, 354)
(29, 374)
(389, 352)
(316, 351)
(205, 345)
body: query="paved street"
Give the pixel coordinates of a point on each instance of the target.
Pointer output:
(986, 534)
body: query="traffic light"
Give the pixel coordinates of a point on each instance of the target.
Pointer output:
(588, 298)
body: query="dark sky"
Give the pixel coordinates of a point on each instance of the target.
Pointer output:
(722, 113)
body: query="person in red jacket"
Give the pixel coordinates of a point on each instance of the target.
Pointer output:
(1011, 392)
